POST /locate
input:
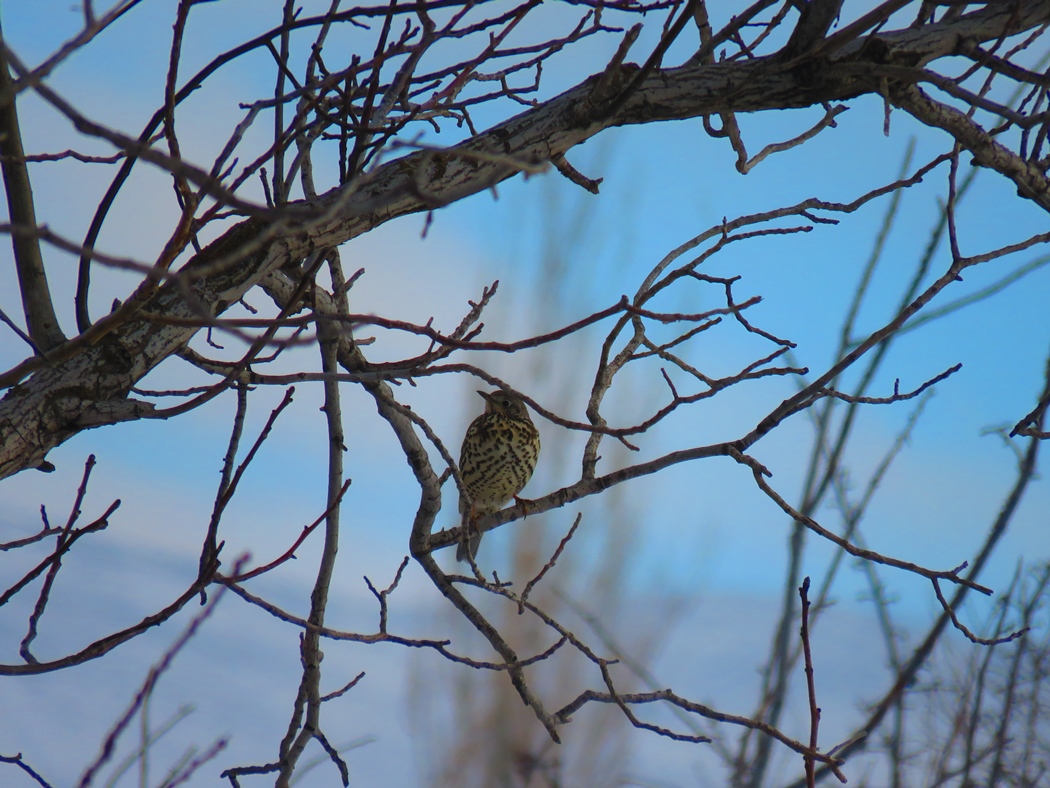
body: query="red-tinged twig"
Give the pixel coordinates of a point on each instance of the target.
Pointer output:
(549, 565)
(191, 768)
(229, 483)
(692, 738)
(867, 555)
(440, 646)
(68, 535)
(962, 627)
(564, 714)
(444, 340)
(40, 535)
(344, 689)
(811, 689)
(148, 686)
(290, 552)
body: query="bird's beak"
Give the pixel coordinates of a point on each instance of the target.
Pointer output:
(486, 395)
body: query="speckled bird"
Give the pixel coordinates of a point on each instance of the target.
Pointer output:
(498, 457)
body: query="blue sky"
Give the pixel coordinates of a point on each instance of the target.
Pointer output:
(699, 532)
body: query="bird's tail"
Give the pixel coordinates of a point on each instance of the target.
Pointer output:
(468, 547)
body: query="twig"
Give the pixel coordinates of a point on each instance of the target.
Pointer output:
(25, 767)
(344, 689)
(811, 690)
(290, 552)
(381, 596)
(962, 627)
(146, 690)
(549, 565)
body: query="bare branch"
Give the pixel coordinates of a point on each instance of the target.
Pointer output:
(148, 686)
(32, 281)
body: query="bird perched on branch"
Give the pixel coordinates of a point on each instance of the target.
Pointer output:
(498, 457)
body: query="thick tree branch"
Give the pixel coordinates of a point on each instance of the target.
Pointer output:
(41, 320)
(1031, 182)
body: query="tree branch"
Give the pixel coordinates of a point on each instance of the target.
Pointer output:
(41, 320)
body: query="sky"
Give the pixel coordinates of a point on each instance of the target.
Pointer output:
(699, 533)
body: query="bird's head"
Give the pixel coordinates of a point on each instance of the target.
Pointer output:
(506, 404)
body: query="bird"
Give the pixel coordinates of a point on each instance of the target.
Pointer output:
(499, 454)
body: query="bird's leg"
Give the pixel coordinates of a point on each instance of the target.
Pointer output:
(524, 503)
